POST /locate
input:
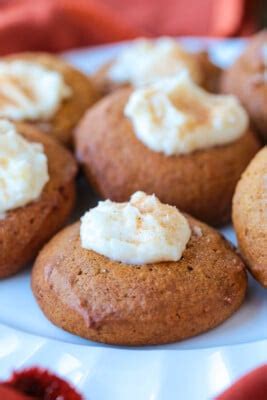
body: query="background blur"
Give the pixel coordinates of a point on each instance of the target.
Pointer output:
(56, 25)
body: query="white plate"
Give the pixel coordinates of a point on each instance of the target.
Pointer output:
(198, 368)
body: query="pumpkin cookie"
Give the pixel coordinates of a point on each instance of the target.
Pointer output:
(172, 139)
(145, 61)
(250, 216)
(43, 90)
(37, 192)
(247, 79)
(138, 273)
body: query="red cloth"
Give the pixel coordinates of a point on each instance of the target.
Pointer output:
(37, 383)
(55, 25)
(7, 393)
(252, 386)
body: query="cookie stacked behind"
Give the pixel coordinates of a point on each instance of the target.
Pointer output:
(117, 163)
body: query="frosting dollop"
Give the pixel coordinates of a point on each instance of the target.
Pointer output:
(140, 231)
(176, 116)
(23, 169)
(30, 91)
(146, 61)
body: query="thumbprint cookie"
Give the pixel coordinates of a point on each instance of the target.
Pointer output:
(138, 273)
(171, 138)
(37, 192)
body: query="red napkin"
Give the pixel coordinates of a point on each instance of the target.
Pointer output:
(252, 386)
(37, 384)
(8, 393)
(55, 25)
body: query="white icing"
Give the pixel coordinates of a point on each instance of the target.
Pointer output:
(23, 169)
(30, 91)
(140, 231)
(175, 116)
(146, 61)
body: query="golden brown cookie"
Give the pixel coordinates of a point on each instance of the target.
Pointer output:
(247, 79)
(250, 216)
(211, 76)
(24, 230)
(94, 297)
(72, 109)
(117, 164)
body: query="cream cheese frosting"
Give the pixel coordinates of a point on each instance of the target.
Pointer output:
(30, 91)
(176, 116)
(140, 231)
(23, 169)
(146, 61)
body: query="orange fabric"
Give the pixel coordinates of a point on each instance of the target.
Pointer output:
(55, 25)
(227, 16)
(252, 386)
(183, 17)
